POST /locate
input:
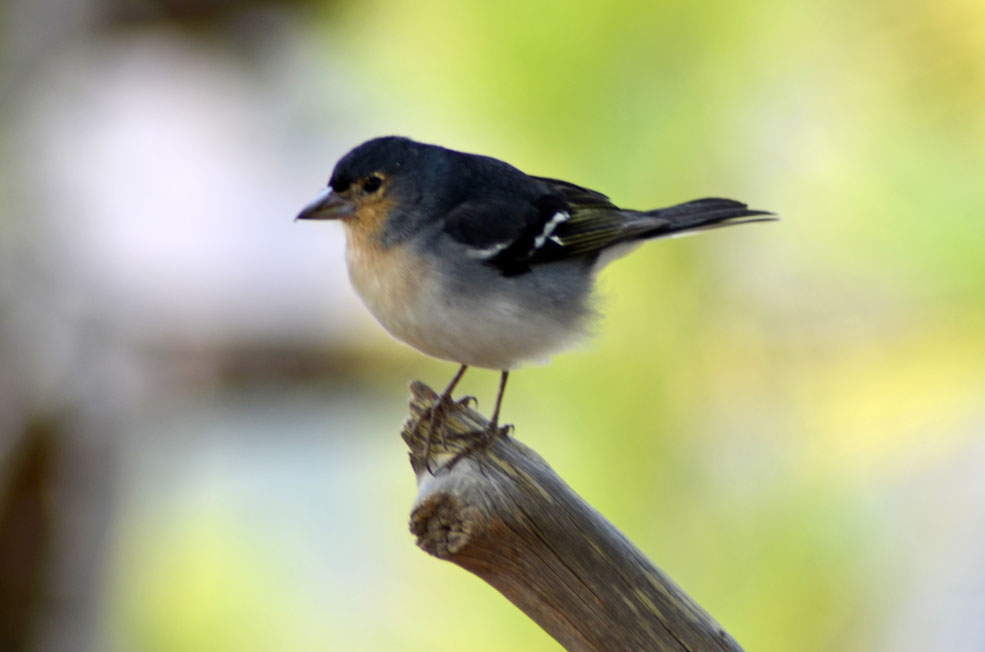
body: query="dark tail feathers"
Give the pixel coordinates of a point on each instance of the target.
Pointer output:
(702, 214)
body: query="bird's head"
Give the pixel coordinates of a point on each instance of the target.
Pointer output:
(384, 188)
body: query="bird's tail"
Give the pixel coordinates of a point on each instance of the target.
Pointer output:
(701, 215)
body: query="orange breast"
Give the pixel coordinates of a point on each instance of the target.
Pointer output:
(391, 282)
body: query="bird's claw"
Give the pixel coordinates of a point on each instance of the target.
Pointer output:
(439, 409)
(465, 400)
(482, 439)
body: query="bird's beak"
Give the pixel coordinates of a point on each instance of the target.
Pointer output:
(327, 206)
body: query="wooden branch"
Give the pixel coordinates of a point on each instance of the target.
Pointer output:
(502, 513)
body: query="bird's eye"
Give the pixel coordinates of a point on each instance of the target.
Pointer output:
(372, 183)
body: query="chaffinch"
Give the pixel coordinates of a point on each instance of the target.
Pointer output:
(468, 259)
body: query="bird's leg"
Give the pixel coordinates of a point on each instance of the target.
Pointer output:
(494, 428)
(486, 437)
(439, 405)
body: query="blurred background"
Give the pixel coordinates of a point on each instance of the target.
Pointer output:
(199, 421)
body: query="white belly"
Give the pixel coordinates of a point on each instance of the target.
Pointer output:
(488, 331)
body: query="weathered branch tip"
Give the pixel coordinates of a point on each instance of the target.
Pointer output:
(501, 512)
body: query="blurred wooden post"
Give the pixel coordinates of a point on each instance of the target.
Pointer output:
(505, 515)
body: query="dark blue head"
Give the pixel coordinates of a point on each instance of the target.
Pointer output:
(396, 186)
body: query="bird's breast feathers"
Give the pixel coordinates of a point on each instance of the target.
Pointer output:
(391, 282)
(408, 295)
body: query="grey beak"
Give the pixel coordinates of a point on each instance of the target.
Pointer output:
(327, 206)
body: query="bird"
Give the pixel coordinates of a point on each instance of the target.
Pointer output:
(468, 259)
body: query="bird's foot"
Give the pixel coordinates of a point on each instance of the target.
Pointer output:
(439, 410)
(465, 400)
(483, 439)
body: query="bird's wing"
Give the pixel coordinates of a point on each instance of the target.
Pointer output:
(563, 220)
(594, 222)
(507, 232)
(577, 195)
(514, 233)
